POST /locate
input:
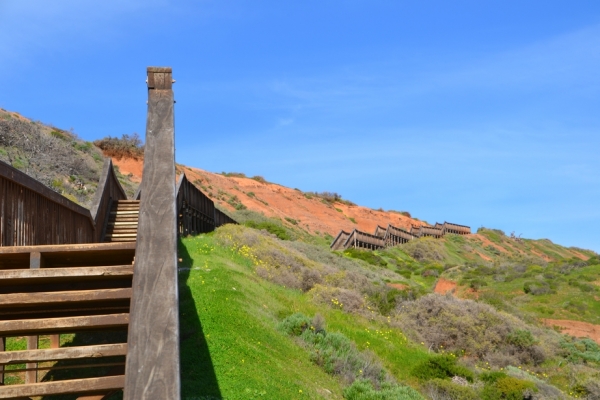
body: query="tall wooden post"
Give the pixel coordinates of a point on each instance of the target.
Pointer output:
(152, 367)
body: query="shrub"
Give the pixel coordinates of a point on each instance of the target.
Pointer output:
(259, 178)
(441, 366)
(384, 298)
(425, 249)
(334, 352)
(475, 328)
(295, 324)
(521, 338)
(362, 389)
(129, 146)
(365, 255)
(291, 221)
(508, 388)
(445, 389)
(234, 174)
(270, 227)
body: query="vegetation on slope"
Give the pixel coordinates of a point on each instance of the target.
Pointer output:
(244, 284)
(55, 157)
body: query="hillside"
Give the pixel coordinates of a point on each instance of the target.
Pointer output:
(325, 217)
(267, 310)
(56, 157)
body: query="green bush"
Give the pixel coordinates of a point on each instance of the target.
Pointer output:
(445, 389)
(365, 255)
(384, 299)
(334, 352)
(579, 350)
(521, 338)
(441, 366)
(362, 389)
(295, 324)
(270, 227)
(508, 388)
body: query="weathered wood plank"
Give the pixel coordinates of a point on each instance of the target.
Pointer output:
(43, 298)
(57, 273)
(65, 353)
(152, 369)
(59, 387)
(22, 327)
(65, 248)
(31, 374)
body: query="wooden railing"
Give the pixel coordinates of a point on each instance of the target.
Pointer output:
(109, 190)
(196, 212)
(393, 236)
(32, 214)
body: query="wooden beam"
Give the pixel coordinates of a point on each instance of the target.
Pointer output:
(20, 299)
(66, 247)
(59, 387)
(57, 273)
(2, 349)
(64, 353)
(152, 369)
(24, 327)
(31, 375)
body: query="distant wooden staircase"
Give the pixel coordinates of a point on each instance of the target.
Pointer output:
(65, 289)
(123, 221)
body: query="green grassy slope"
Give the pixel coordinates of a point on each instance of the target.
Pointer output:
(239, 283)
(230, 344)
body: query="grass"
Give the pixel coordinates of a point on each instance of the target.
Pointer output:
(220, 294)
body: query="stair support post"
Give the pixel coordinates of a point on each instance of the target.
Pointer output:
(152, 366)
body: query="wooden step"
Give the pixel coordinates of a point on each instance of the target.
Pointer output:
(58, 387)
(73, 296)
(48, 275)
(24, 327)
(65, 353)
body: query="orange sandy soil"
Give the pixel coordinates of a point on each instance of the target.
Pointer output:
(281, 202)
(444, 286)
(130, 166)
(398, 286)
(576, 328)
(311, 214)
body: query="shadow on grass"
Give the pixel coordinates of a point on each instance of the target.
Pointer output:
(198, 378)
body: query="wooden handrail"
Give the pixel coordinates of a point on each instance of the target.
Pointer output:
(109, 190)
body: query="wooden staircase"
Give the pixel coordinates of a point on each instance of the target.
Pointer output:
(123, 221)
(56, 290)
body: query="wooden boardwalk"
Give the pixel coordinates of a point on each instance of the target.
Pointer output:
(392, 236)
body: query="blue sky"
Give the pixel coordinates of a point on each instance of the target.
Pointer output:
(482, 113)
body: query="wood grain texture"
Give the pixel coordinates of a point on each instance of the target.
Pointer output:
(152, 368)
(45, 299)
(69, 324)
(49, 388)
(65, 353)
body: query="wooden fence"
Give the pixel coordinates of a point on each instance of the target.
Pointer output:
(32, 214)
(196, 212)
